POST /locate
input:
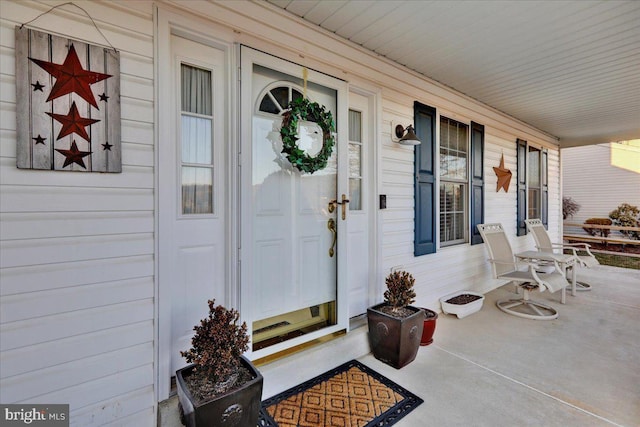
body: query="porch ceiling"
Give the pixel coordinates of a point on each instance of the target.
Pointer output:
(569, 68)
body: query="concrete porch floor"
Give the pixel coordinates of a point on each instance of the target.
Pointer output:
(494, 369)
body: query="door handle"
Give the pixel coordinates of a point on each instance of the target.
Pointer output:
(343, 203)
(333, 203)
(331, 225)
(344, 206)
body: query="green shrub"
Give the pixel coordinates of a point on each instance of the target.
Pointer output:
(627, 215)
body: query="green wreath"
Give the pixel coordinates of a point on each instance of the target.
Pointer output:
(301, 108)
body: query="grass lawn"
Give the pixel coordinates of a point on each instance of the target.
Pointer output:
(618, 260)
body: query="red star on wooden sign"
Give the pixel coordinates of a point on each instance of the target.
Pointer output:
(72, 122)
(71, 77)
(73, 155)
(504, 176)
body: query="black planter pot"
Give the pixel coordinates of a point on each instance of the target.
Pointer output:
(239, 407)
(393, 340)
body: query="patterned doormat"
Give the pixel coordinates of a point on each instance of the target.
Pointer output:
(351, 395)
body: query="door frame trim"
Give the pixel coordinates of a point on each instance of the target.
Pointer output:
(373, 94)
(192, 28)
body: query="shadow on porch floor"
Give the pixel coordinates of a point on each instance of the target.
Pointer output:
(493, 369)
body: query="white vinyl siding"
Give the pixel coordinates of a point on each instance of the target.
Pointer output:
(77, 270)
(592, 170)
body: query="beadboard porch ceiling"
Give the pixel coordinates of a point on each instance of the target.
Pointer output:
(569, 68)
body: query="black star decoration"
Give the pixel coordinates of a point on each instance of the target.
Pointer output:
(104, 97)
(39, 139)
(37, 86)
(106, 146)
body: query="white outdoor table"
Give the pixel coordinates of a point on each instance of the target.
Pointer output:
(564, 261)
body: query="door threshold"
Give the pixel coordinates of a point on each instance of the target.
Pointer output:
(298, 348)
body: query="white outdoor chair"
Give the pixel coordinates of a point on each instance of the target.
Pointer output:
(505, 267)
(544, 244)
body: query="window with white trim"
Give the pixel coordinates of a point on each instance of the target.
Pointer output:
(534, 182)
(461, 181)
(196, 123)
(355, 160)
(454, 182)
(533, 188)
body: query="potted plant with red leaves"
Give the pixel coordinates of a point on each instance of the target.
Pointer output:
(220, 386)
(395, 327)
(430, 318)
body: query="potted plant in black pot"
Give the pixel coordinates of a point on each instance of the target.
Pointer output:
(221, 386)
(395, 327)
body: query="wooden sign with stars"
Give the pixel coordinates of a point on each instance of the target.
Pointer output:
(67, 104)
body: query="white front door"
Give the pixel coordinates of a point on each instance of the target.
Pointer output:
(291, 247)
(192, 190)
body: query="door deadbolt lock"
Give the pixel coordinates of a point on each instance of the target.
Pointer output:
(332, 205)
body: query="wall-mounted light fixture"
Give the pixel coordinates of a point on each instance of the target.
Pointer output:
(404, 135)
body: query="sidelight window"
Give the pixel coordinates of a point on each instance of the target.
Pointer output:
(196, 156)
(355, 160)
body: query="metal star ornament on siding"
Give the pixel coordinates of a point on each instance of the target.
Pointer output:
(504, 176)
(71, 77)
(72, 122)
(73, 155)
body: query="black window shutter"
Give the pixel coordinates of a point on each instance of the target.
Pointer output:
(425, 183)
(521, 227)
(477, 181)
(544, 181)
